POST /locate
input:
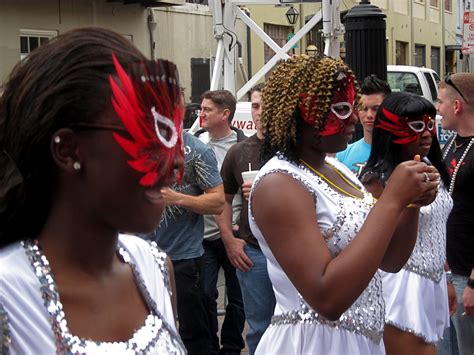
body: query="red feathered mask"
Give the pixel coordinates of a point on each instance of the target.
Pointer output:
(345, 93)
(399, 127)
(149, 104)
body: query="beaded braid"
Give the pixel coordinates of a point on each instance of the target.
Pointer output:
(281, 119)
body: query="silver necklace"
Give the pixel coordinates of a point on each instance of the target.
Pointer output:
(458, 165)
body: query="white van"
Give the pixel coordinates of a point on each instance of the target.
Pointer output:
(420, 81)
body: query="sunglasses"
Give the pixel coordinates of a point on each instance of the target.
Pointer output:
(448, 80)
(420, 125)
(342, 110)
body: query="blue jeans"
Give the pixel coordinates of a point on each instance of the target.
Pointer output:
(214, 258)
(258, 296)
(448, 345)
(464, 325)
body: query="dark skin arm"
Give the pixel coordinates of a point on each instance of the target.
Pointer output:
(406, 232)
(291, 213)
(403, 241)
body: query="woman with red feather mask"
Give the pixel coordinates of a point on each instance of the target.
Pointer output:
(417, 305)
(323, 234)
(90, 131)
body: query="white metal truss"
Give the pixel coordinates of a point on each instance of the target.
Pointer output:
(226, 12)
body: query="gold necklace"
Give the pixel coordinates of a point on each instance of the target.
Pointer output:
(329, 182)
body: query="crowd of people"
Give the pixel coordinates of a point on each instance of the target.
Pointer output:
(114, 223)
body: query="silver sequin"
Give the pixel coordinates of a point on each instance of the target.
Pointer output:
(429, 254)
(408, 330)
(155, 336)
(366, 315)
(5, 339)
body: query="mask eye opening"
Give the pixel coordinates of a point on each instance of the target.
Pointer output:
(342, 110)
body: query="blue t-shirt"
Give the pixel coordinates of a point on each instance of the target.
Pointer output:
(181, 231)
(355, 156)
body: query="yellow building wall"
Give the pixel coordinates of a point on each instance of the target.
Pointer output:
(409, 21)
(48, 15)
(182, 32)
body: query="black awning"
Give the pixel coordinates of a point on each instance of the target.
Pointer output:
(452, 47)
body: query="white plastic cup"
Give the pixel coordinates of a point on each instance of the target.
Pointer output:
(249, 176)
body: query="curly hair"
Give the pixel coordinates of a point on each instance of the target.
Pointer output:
(316, 77)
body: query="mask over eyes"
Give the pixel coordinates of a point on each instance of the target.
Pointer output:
(341, 108)
(149, 104)
(405, 130)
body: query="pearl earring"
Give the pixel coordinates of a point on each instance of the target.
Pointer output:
(57, 139)
(76, 165)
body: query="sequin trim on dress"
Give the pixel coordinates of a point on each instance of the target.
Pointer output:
(429, 253)
(307, 316)
(160, 259)
(366, 315)
(5, 339)
(408, 330)
(155, 335)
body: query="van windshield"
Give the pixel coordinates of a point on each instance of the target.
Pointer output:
(400, 81)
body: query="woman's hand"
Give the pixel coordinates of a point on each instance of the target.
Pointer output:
(412, 182)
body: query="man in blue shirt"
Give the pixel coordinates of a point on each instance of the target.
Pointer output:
(374, 90)
(180, 234)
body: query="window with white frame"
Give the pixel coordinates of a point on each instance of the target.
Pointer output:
(434, 3)
(32, 39)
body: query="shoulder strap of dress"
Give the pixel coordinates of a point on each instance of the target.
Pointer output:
(160, 260)
(5, 339)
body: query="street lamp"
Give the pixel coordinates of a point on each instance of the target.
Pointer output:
(292, 15)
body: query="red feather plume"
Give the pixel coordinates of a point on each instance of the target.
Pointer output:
(148, 102)
(398, 127)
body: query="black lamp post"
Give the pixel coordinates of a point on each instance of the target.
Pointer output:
(366, 40)
(292, 15)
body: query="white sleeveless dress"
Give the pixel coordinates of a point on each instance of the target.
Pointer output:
(416, 297)
(32, 320)
(295, 327)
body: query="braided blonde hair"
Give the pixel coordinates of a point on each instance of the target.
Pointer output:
(300, 74)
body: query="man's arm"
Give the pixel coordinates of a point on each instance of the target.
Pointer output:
(468, 298)
(233, 246)
(211, 202)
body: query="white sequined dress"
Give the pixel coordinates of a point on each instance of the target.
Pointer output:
(295, 327)
(416, 298)
(32, 320)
